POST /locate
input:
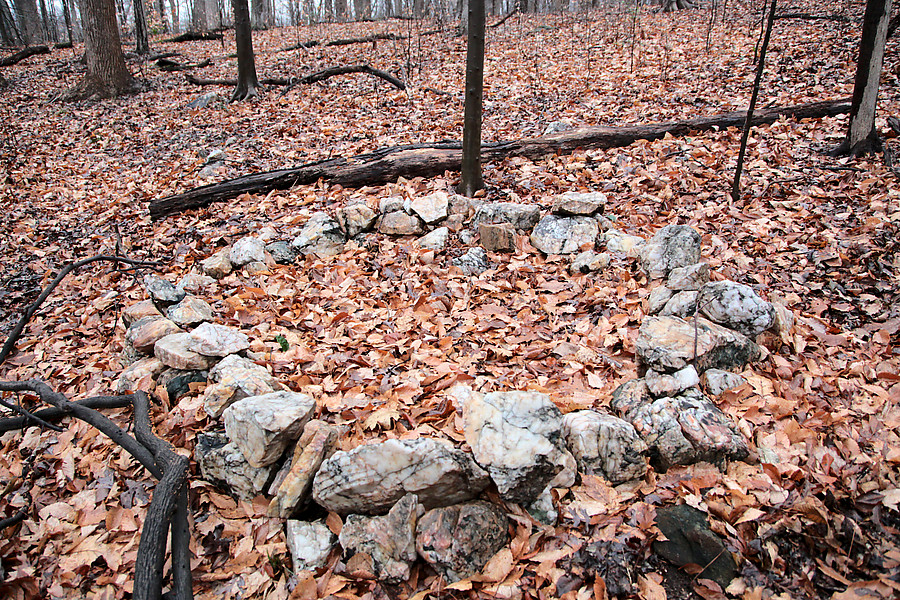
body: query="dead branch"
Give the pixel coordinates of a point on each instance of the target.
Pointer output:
(29, 312)
(514, 10)
(55, 414)
(811, 17)
(17, 518)
(388, 164)
(165, 64)
(29, 417)
(375, 37)
(312, 78)
(23, 54)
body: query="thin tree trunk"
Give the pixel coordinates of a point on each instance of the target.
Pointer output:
(29, 22)
(247, 83)
(736, 186)
(471, 180)
(141, 35)
(67, 15)
(161, 5)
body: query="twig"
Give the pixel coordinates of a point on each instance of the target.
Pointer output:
(29, 312)
(54, 414)
(15, 519)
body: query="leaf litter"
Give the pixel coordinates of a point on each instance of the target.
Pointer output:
(379, 333)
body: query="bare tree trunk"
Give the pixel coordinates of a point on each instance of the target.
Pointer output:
(107, 76)
(162, 15)
(198, 15)
(141, 35)
(247, 83)
(861, 135)
(176, 17)
(30, 27)
(340, 10)
(9, 33)
(49, 32)
(262, 15)
(471, 181)
(67, 15)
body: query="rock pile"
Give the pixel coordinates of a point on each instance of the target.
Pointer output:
(410, 498)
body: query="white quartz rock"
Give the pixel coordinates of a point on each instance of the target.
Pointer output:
(211, 339)
(264, 426)
(372, 477)
(517, 437)
(247, 250)
(736, 306)
(310, 543)
(665, 384)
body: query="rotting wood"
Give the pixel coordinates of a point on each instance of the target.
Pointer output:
(195, 36)
(311, 78)
(386, 165)
(165, 64)
(375, 37)
(21, 55)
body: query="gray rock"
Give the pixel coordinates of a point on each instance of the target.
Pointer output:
(542, 508)
(218, 265)
(163, 293)
(658, 298)
(263, 426)
(605, 445)
(247, 250)
(682, 304)
(462, 206)
(294, 490)
(144, 333)
(355, 219)
(321, 236)
(383, 547)
(194, 283)
(690, 541)
(673, 246)
(687, 429)
(281, 252)
(190, 311)
(736, 306)
(222, 464)
(667, 344)
(174, 351)
(497, 237)
(473, 262)
(391, 204)
(716, 382)
(458, 541)
(665, 384)
(400, 223)
(578, 203)
(557, 127)
(212, 339)
(435, 240)
(690, 278)
(256, 268)
(467, 237)
(431, 208)
(310, 543)
(205, 100)
(140, 375)
(630, 396)
(588, 261)
(372, 477)
(563, 235)
(233, 379)
(521, 216)
(139, 310)
(517, 437)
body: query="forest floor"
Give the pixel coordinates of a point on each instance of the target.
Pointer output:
(371, 338)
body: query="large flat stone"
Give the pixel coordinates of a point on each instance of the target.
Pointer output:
(667, 344)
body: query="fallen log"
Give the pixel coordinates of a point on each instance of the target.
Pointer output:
(386, 165)
(196, 36)
(311, 78)
(23, 54)
(165, 64)
(812, 17)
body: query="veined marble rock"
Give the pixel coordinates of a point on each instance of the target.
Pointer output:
(605, 445)
(372, 477)
(383, 547)
(667, 344)
(211, 339)
(263, 426)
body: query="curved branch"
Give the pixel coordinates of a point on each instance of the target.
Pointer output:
(29, 417)
(169, 499)
(29, 312)
(17, 518)
(89, 416)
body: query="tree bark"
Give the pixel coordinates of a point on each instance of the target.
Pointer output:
(387, 165)
(861, 135)
(107, 76)
(29, 22)
(141, 33)
(247, 82)
(471, 180)
(262, 15)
